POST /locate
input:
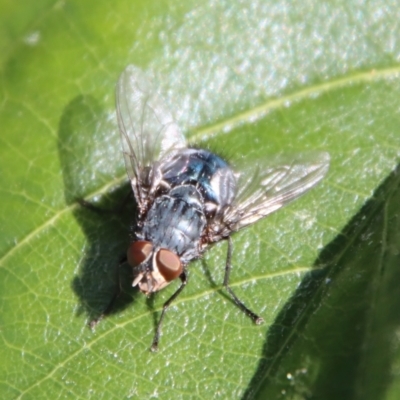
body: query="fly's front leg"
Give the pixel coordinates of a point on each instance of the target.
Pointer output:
(184, 279)
(256, 319)
(117, 293)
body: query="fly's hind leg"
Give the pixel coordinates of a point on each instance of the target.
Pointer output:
(228, 267)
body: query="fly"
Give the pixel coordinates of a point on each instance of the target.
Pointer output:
(190, 198)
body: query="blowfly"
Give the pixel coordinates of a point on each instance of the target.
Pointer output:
(189, 198)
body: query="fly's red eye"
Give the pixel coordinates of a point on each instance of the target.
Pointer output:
(169, 264)
(138, 252)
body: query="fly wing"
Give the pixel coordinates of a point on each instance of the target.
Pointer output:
(264, 187)
(148, 131)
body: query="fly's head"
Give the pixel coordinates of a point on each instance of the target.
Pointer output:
(156, 267)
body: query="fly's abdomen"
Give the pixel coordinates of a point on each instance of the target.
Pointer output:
(211, 175)
(176, 222)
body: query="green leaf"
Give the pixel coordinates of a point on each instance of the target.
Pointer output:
(346, 312)
(244, 80)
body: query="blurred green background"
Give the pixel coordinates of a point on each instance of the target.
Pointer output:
(246, 79)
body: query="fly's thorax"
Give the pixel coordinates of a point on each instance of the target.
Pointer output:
(156, 267)
(169, 237)
(176, 221)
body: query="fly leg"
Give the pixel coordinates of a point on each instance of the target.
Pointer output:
(184, 279)
(228, 267)
(117, 293)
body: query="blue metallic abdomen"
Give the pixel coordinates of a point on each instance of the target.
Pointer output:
(206, 171)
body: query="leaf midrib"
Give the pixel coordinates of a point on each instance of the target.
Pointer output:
(202, 134)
